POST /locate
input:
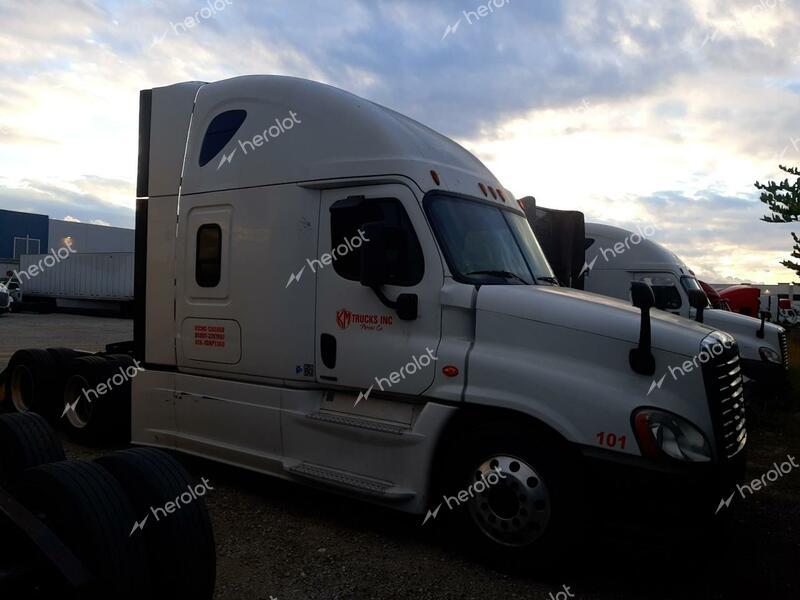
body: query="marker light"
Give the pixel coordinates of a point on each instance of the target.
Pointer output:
(450, 371)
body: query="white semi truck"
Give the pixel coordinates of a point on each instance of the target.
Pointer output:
(331, 293)
(763, 346)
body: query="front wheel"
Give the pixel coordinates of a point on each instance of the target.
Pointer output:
(516, 493)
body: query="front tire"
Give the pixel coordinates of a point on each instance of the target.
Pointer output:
(528, 512)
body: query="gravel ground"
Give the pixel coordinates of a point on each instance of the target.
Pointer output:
(277, 540)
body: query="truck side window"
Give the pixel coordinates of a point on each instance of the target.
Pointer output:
(220, 131)
(666, 292)
(208, 260)
(347, 218)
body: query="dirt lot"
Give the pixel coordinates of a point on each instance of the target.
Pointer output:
(282, 541)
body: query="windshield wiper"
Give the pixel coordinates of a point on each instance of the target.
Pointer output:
(506, 274)
(552, 280)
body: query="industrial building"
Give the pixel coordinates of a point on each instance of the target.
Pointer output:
(29, 233)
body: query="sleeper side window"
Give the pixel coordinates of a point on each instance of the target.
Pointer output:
(347, 237)
(220, 131)
(208, 259)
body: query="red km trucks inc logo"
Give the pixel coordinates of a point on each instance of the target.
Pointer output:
(345, 317)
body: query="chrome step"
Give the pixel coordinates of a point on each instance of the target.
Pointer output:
(353, 421)
(350, 481)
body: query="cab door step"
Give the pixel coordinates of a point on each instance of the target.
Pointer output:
(350, 481)
(354, 421)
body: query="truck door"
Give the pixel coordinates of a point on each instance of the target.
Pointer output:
(362, 343)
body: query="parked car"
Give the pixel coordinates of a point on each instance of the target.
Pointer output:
(12, 284)
(6, 300)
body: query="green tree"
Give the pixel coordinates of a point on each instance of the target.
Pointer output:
(783, 199)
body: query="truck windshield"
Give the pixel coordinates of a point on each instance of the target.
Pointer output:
(690, 283)
(487, 244)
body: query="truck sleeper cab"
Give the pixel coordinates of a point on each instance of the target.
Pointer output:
(351, 300)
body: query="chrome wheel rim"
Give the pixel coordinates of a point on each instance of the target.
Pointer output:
(22, 388)
(512, 507)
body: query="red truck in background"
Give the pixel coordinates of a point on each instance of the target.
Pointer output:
(714, 298)
(743, 299)
(747, 300)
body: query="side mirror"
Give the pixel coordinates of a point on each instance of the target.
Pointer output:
(642, 295)
(699, 301)
(376, 267)
(641, 359)
(760, 332)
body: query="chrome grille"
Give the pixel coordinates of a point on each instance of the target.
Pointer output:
(725, 388)
(784, 347)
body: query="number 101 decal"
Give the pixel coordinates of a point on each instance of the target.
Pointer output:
(611, 440)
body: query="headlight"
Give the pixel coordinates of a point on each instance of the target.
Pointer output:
(769, 355)
(661, 433)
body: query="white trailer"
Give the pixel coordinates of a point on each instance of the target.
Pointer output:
(78, 280)
(351, 300)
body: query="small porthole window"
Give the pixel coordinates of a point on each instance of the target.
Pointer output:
(220, 131)
(208, 259)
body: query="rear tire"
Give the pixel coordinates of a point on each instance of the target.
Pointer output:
(180, 545)
(86, 507)
(31, 383)
(26, 441)
(529, 514)
(90, 417)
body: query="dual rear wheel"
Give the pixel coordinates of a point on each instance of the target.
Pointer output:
(89, 395)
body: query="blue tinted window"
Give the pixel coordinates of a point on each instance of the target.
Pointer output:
(220, 131)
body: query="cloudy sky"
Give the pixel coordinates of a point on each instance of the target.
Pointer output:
(635, 112)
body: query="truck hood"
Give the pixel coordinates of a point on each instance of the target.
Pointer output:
(744, 329)
(592, 313)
